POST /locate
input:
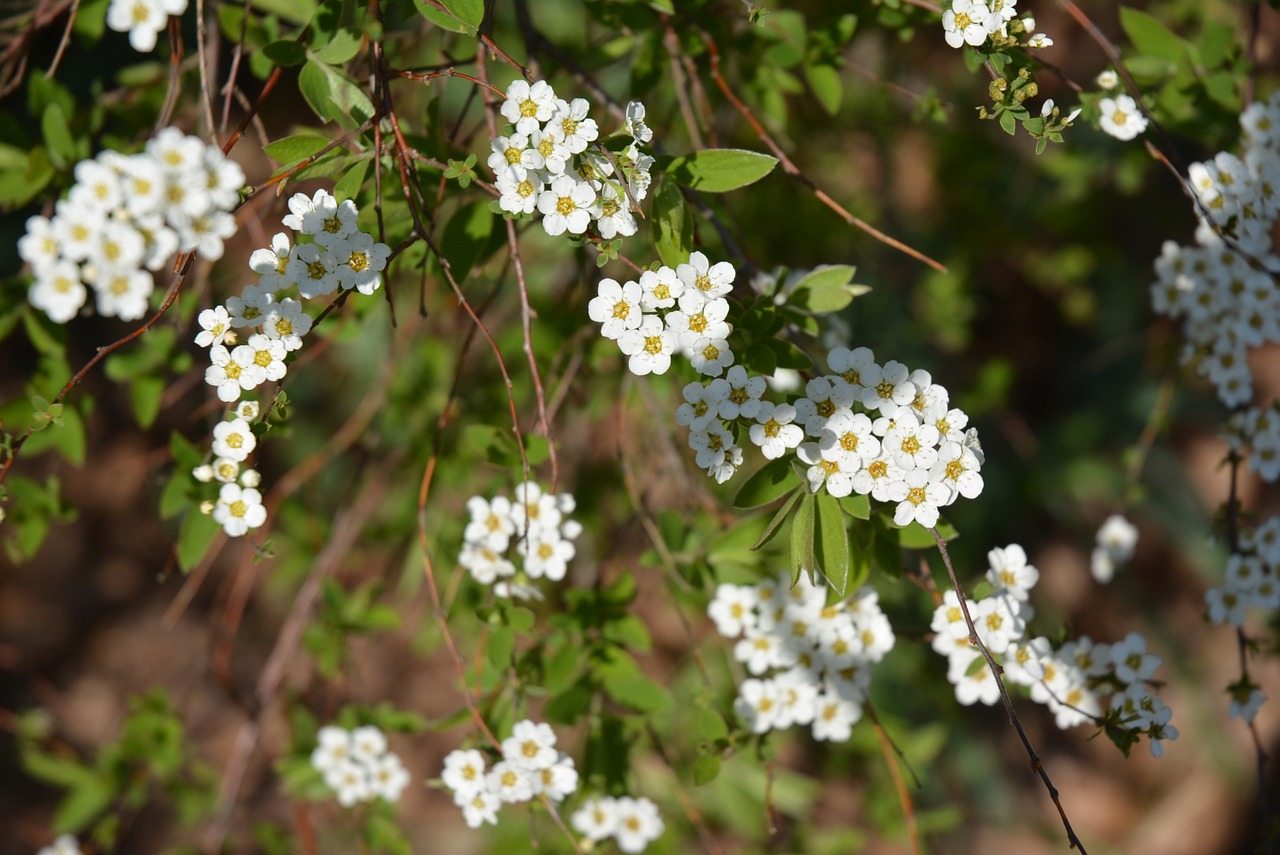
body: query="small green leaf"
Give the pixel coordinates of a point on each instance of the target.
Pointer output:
(348, 186)
(717, 170)
(857, 506)
(57, 136)
(333, 95)
(294, 148)
(672, 224)
(1009, 122)
(346, 44)
(286, 52)
(1151, 70)
(705, 769)
(802, 533)
(775, 524)
(194, 537)
(827, 87)
(770, 483)
(460, 16)
(1150, 36)
(832, 543)
(827, 289)
(710, 726)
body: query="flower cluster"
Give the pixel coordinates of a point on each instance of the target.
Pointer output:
(810, 662)
(667, 311)
(1252, 578)
(530, 767)
(551, 162)
(330, 252)
(126, 215)
(1223, 287)
(1116, 540)
(1072, 681)
(973, 22)
(239, 506)
(357, 765)
(1257, 430)
(633, 823)
(143, 20)
(536, 526)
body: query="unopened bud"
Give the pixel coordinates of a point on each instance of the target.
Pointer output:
(203, 474)
(206, 507)
(248, 410)
(1046, 109)
(250, 478)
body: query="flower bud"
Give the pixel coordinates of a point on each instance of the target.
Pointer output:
(248, 410)
(1046, 109)
(203, 474)
(1107, 79)
(207, 506)
(250, 478)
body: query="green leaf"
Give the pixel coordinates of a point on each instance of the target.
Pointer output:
(348, 186)
(710, 726)
(468, 238)
(572, 704)
(770, 483)
(857, 506)
(672, 224)
(460, 16)
(832, 543)
(82, 805)
(916, 536)
(705, 769)
(827, 87)
(194, 537)
(638, 692)
(333, 95)
(346, 44)
(145, 394)
(57, 136)
(1151, 70)
(295, 148)
(1150, 36)
(827, 289)
(802, 534)
(775, 524)
(717, 170)
(1008, 122)
(286, 52)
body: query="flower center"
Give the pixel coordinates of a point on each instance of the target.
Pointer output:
(621, 310)
(653, 344)
(262, 358)
(525, 188)
(317, 270)
(232, 370)
(235, 440)
(885, 390)
(849, 442)
(358, 261)
(771, 427)
(703, 283)
(238, 508)
(916, 495)
(566, 206)
(662, 292)
(513, 155)
(962, 21)
(528, 108)
(711, 353)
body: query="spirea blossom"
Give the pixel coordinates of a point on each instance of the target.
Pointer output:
(357, 765)
(533, 526)
(123, 218)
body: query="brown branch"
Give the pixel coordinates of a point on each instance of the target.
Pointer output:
(1036, 765)
(888, 748)
(794, 171)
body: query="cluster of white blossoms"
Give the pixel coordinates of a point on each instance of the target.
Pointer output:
(1121, 117)
(66, 844)
(551, 162)
(633, 823)
(126, 215)
(1223, 287)
(1116, 540)
(530, 767)
(810, 662)
(972, 22)
(142, 19)
(669, 311)
(1073, 681)
(1252, 578)
(239, 507)
(357, 765)
(329, 252)
(1257, 430)
(535, 527)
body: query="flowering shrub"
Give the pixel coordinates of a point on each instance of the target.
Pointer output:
(575, 476)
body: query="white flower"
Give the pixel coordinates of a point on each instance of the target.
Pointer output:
(660, 289)
(388, 777)
(232, 371)
(1038, 41)
(512, 151)
(518, 190)
(617, 308)
(760, 651)
(571, 121)
(597, 818)
(918, 498)
(1118, 537)
(545, 554)
(361, 262)
(491, 522)
(333, 748)
(268, 355)
(225, 470)
(464, 772)
(1107, 79)
(368, 743)
(557, 780)
(141, 19)
(773, 430)
(879, 478)
(330, 221)
(350, 783)
(38, 245)
(509, 782)
(66, 844)
(998, 621)
(313, 268)
(1132, 662)
(957, 467)
(711, 356)
(887, 388)
(248, 309)
(914, 446)
(649, 347)
(528, 106)
(205, 233)
(478, 807)
(1010, 572)
(733, 609)
(123, 292)
(638, 823)
(698, 318)
(709, 280)
(834, 717)
(738, 394)
(966, 23)
(239, 509)
(57, 291)
(233, 439)
(271, 264)
(287, 322)
(613, 214)
(215, 323)
(635, 125)
(566, 205)
(980, 686)
(1121, 117)
(1046, 108)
